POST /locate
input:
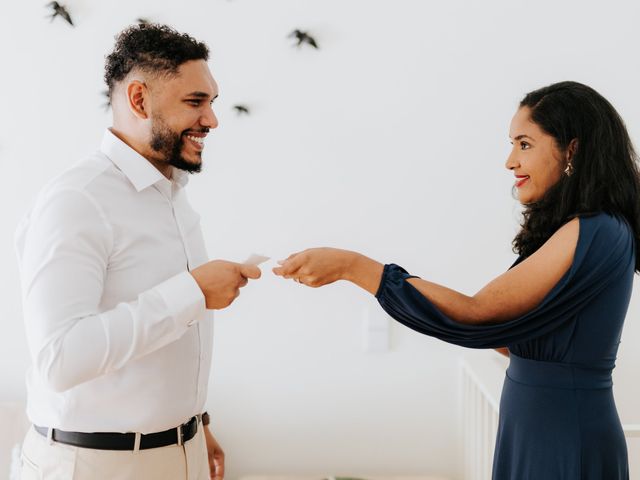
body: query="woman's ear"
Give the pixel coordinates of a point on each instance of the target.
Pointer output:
(571, 150)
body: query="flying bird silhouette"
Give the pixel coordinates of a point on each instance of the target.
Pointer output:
(241, 109)
(303, 37)
(61, 10)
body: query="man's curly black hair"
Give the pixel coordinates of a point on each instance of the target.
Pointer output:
(151, 48)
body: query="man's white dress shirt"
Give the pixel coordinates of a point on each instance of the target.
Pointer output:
(117, 328)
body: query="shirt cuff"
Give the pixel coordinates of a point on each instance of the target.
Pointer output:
(184, 300)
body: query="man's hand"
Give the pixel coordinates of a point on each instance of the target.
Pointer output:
(215, 454)
(221, 281)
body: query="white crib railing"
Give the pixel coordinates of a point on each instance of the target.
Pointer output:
(481, 382)
(479, 425)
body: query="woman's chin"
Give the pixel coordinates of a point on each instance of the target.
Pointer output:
(528, 200)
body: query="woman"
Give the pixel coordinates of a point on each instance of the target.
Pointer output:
(559, 309)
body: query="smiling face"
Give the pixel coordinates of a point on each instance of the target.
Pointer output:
(535, 159)
(182, 116)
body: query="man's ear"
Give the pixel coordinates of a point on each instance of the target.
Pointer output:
(572, 149)
(138, 99)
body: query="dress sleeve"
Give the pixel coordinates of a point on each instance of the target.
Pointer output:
(605, 251)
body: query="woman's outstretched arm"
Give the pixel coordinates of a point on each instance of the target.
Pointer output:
(508, 296)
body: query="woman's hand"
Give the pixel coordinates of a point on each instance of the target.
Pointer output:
(321, 266)
(316, 267)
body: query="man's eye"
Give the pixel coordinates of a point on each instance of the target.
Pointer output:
(524, 146)
(195, 103)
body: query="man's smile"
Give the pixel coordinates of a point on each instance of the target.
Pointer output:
(196, 140)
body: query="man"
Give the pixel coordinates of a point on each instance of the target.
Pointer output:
(117, 285)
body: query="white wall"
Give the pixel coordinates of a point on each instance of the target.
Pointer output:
(390, 140)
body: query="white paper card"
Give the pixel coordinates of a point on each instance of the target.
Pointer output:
(255, 259)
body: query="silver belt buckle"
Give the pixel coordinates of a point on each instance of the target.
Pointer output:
(180, 435)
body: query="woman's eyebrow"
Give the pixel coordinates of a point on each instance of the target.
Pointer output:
(520, 137)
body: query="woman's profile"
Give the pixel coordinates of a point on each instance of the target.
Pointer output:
(559, 310)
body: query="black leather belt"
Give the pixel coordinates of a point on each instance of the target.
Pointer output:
(125, 441)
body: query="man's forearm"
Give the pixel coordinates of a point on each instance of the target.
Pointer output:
(70, 351)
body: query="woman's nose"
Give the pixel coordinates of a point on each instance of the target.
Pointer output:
(512, 161)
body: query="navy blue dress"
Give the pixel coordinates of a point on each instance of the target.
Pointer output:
(558, 419)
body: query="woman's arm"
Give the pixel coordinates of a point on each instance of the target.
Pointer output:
(515, 292)
(508, 296)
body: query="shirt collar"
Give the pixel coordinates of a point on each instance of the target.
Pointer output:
(140, 172)
(180, 177)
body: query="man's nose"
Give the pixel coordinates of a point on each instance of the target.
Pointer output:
(209, 119)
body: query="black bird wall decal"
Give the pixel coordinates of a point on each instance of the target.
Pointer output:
(303, 37)
(60, 10)
(241, 109)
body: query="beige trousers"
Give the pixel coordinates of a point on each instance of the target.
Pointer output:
(45, 460)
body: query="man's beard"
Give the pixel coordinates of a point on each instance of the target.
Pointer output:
(169, 144)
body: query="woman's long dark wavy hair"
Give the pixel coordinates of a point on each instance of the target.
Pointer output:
(605, 174)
